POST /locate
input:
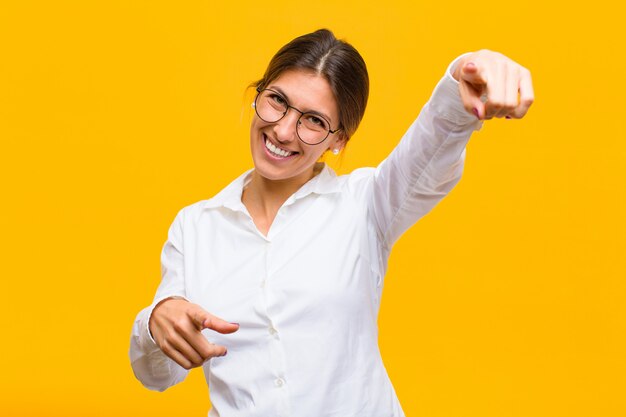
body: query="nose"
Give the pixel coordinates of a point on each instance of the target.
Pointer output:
(285, 128)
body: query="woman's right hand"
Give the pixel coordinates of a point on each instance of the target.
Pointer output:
(175, 326)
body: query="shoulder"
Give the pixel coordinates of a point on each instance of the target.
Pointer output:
(358, 182)
(228, 197)
(195, 209)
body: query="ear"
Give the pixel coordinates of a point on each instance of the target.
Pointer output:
(340, 141)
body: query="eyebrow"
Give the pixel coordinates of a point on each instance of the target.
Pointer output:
(319, 113)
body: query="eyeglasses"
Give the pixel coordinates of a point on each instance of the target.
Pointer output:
(312, 128)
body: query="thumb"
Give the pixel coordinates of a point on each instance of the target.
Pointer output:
(206, 320)
(471, 99)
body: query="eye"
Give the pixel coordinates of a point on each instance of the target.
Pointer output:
(278, 99)
(316, 121)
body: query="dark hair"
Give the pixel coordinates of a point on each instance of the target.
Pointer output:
(336, 60)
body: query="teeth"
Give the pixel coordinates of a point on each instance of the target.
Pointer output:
(275, 150)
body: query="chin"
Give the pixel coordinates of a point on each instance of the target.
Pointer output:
(275, 174)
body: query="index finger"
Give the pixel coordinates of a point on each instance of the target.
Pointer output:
(473, 74)
(205, 320)
(219, 325)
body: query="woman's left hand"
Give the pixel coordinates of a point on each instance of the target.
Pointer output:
(507, 85)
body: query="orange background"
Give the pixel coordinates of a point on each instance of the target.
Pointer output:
(506, 300)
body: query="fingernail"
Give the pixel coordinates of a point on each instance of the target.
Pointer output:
(225, 353)
(476, 113)
(508, 117)
(237, 324)
(470, 65)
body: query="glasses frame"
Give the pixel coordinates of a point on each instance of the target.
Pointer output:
(298, 123)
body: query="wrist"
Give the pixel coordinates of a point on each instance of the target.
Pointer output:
(456, 72)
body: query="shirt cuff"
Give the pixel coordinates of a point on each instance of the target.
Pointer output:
(446, 100)
(148, 340)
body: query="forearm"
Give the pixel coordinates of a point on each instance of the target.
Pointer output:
(150, 365)
(426, 164)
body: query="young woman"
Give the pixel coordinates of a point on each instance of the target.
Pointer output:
(283, 269)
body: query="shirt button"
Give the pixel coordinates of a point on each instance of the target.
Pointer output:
(279, 382)
(272, 330)
(263, 284)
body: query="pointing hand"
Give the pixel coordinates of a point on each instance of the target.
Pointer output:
(507, 85)
(176, 327)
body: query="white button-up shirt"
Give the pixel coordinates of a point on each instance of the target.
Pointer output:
(307, 295)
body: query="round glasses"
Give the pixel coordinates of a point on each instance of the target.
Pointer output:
(312, 128)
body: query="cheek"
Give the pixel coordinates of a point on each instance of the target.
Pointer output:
(256, 125)
(318, 152)
(254, 132)
(253, 125)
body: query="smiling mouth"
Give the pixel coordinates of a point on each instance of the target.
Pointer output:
(275, 151)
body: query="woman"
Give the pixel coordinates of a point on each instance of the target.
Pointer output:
(283, 269)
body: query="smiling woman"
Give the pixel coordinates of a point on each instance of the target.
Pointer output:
(295, 255)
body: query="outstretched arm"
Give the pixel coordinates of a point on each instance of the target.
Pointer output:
(428, 161)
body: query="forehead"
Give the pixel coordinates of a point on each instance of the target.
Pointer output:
(306, 91)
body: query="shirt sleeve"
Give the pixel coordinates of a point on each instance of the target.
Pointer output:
(151, 366)
(426, 164)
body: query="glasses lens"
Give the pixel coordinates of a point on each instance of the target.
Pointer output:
(312, 128)
(270, 106)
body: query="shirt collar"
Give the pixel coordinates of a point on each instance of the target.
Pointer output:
(230, 197)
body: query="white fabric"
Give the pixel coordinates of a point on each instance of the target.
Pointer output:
(306, 296)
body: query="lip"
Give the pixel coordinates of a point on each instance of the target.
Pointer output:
(272, 156)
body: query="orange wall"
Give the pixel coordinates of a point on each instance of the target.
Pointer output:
(506, 300)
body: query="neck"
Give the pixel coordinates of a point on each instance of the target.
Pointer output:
(267, 196)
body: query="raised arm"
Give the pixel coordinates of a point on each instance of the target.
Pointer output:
(428, 161)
